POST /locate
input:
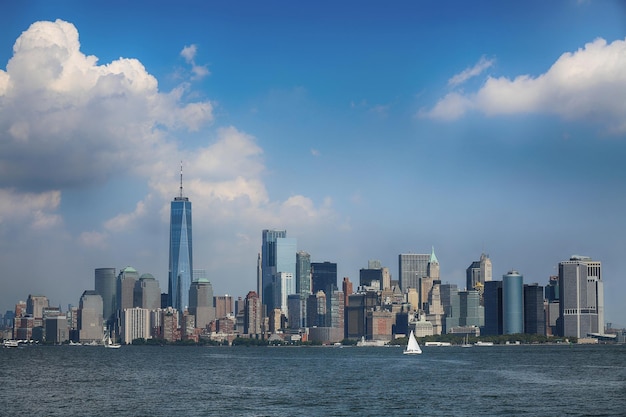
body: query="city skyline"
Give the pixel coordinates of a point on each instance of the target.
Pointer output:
(365, 131)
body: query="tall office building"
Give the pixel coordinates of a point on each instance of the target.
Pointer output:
(534, 316)
(135, 324)
(223, 305)
(493, 308)
(278, 254)
(147, 293)
(35, 304)
(449, 294)
(512, 303)
(201, 302)
(478, 273)
(471, 313)
(303, 274)
(253, 315)
(581, 308)
(90, 317)
(106, 285)
(126, 288)
(181, 251)
(411, 268)
(324, 277)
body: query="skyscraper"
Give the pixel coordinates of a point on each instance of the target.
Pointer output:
(411, 268)
(147, 293)
(581, 308)
(512, 303)
(181, 250)
(278, 254)
(534, 316)
(126, 288)
(201, 302)
(90, 317)
(303, 274)
(493, 308)
(105, 285)
(478, 273)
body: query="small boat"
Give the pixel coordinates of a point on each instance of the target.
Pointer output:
(108, 343)
(479, 343)
(412, 348)
(466, 343)
(10, 343)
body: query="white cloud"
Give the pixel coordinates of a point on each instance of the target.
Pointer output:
(472, 72)
(37, 210)
(67, 121)
(189, 54)
(586, 84)
(123, 221)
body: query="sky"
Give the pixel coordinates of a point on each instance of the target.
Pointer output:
(364, 129)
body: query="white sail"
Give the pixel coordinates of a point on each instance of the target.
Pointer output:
(412, 348)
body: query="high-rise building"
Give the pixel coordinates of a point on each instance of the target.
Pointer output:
(534, 317)
(581, 309)
(295, 308)
(181, 250)
(147, 293)
(35, 304)
(253, 315)
(512, 303)
(493, 308)
(449, 294)
(303, 274)
(278, 254)
(324, 277)
(105, 284)
(90, 325)
(126, 288)
(201, 302)
(135, 324)
(347, 289)
(471, 313)
(223, 305)
(478, 273)
(411, 268)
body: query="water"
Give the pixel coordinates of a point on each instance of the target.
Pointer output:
(313, 381)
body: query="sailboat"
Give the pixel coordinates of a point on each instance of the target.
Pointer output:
(108, 343)
(466, 343)
(412, 348)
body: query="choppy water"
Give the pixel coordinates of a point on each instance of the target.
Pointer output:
(313, 381)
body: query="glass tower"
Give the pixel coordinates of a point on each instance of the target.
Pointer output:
(278, 254)
(512, 303)
(181, 253)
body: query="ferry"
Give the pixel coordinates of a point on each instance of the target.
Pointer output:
(10, 343)
(479, 343)
(438, 344)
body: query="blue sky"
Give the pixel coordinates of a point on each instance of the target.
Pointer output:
(365, 129)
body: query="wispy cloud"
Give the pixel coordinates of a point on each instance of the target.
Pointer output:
(189, 54)
(471, 72)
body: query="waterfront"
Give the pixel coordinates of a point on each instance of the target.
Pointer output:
(175, 380)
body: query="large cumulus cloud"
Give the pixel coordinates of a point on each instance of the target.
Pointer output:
(587, 84)
(66, 121)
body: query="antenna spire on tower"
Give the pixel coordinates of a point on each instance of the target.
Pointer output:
(181, 179)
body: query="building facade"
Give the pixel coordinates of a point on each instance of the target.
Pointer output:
(581, 308)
